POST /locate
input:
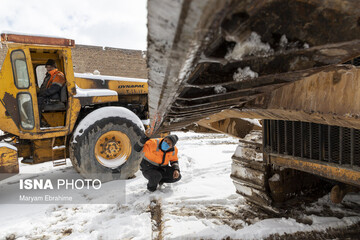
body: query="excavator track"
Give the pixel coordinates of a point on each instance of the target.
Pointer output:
(266, 185)
(249, 172)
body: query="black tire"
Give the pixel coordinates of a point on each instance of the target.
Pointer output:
(82, 150)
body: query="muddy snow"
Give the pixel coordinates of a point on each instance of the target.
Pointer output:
(202, 205)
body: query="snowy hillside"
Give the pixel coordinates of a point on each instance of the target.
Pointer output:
(202, 205)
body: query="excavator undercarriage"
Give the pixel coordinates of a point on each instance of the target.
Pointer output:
(292, 64)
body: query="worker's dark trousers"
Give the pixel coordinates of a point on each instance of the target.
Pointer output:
(157, 175)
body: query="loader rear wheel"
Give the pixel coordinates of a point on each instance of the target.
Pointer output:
(105, 150)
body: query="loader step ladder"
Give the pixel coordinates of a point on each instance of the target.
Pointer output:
(58, 162)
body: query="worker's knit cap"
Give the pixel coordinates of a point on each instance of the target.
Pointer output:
(173, 138)
(50, 62)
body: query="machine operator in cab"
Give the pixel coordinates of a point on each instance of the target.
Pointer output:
(49, 92)
(51, 87)
(53, 82)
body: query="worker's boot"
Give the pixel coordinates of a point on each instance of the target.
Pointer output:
(151, 188)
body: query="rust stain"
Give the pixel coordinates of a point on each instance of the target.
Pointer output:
(327, 170)
(334, 52)
(326, 97)
(8, 160)
(17, 38)
(12, 107)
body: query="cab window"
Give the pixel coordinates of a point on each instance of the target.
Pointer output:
(26, 110)
(40, 71)
(20, 71)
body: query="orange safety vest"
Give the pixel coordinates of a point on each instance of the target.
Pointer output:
(154, 155)
(56, 77)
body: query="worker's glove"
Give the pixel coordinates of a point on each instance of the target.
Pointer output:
(148, 132)
(176, 174)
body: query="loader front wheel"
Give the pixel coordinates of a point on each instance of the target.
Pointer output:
(105, 149)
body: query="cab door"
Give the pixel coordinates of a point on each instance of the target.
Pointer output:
(25, 90)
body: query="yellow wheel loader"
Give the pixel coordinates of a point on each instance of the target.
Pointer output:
(96, 123)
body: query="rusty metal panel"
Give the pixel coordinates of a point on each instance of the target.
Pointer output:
(24, 149)
(43, 151)
(8, 159)
(327, 170)
(325, 143)
(38, 40)
(226, 124)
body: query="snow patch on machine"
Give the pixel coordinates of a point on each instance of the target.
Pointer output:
(219, 89)
(275, 178)
(80, 92)
(255, 122)
(252, 46)
(244, 73)
(106, 112)
(7, 145)
(248, 150)
(106, 77)
(286, 44)
(283, 41)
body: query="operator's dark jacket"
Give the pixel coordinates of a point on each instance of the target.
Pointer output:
(52, 84)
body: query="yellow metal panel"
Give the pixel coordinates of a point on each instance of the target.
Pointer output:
(121, 87)
(98, 99)
(8, 92)
(54, 119)
(43, 151)
(8, 160)
(24, 149)
(73, 113)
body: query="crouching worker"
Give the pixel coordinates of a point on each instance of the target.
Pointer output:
(158, 154)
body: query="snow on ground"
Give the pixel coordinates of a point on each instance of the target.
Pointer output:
(202, 205)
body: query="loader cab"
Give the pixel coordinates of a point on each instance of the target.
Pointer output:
(54, 113)
(25, 61)
(29, 73)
